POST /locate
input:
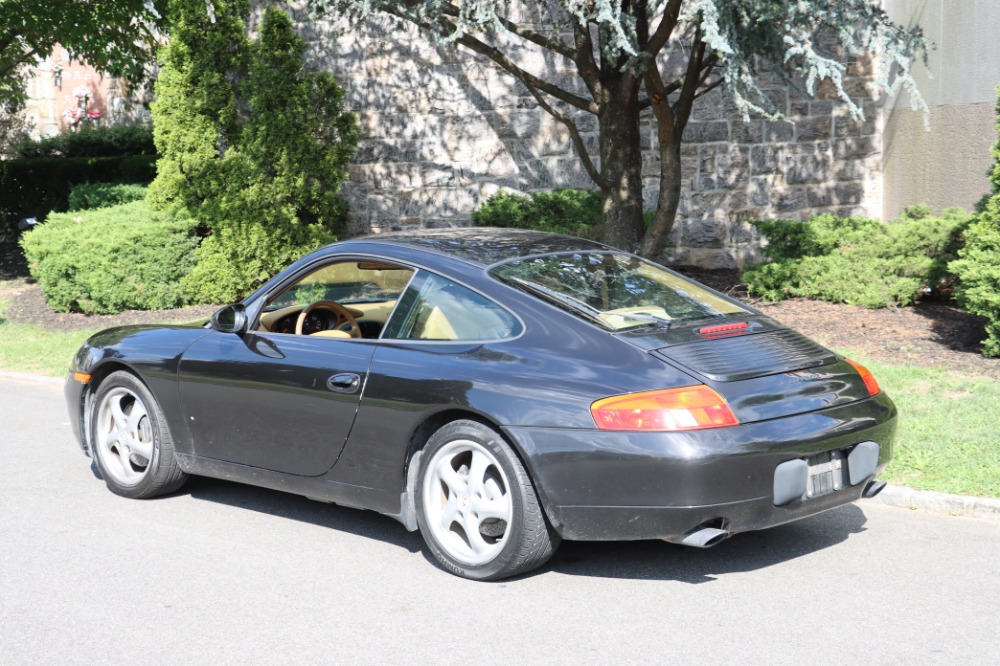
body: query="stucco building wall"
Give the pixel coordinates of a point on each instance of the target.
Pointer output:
(947, 165)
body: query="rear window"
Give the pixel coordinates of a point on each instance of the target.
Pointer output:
(615, 290)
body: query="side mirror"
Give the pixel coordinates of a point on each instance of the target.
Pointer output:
(231, 319)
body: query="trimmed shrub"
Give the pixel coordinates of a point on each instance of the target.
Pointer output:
(978, 268)
(33, 187)
(857, 260)
(978, 271)
(111, 259)
(87, 196)
(563, 211)
(119, 140)
(252, 144)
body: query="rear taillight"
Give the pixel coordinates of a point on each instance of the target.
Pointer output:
(686, 408)
(867, 377)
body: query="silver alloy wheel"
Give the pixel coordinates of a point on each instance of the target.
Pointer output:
(124, 436)
(467, 501)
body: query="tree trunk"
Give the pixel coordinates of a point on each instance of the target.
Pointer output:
(670, 193)
(621, 166)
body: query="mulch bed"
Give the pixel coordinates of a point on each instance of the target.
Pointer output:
(936, 334)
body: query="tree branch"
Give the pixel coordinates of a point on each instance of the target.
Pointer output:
(666, 28)
(709, 88)
(529, 35)
(584, 59)
(445, 26)
(682, 109)
(526, 77)
(550, 43)
(574, 133)
(13, 65)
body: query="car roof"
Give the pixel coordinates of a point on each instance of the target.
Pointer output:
(486, 245)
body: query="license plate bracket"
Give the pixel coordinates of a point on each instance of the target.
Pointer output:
(827, 473)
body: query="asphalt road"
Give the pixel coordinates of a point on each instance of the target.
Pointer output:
(227, 574)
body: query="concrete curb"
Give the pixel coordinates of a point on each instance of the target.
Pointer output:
(25, 377)
(928, 500)
(907, 498)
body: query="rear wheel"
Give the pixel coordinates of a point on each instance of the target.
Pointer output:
(131, 441)
(477, 507)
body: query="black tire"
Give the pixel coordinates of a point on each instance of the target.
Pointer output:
(495, 483)
(131, 441)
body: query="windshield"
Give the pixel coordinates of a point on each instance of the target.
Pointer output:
(346, 282)
(615, 290)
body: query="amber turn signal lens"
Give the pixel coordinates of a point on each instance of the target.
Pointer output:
(686, 408)
(867, 377)
(81, 377)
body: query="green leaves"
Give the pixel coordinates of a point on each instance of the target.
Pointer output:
(116, 37)
(111, 259)
(253, 145)
(857, 260)
(565, 211)
(978, 270)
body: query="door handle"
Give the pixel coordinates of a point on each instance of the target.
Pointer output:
(345, 382)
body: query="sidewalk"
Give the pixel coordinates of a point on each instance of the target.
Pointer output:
(984, 508)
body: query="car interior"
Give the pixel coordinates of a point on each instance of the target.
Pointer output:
(357, 299)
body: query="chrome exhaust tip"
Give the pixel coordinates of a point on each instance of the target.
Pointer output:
(873, 488)
(704, 537)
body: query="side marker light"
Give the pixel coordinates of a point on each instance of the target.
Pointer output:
(867, 377)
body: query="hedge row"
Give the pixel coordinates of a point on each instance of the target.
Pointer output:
(87, 196)
(34, 187)
(111, 259)
(857, 260)
(120, 140)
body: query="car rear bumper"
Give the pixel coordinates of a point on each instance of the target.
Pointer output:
(612, 486)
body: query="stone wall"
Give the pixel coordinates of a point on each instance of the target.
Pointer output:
(444, 129)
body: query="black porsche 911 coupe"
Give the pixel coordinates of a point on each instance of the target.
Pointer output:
(499, 390)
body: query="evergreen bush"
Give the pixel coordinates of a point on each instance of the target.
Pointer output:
(978, 268)
(252, 145)
(119, 140)
(563, 211)
(86, 196)
(857, 260)
(111, 259)
(34, 187)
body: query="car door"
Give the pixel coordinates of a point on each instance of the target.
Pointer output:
(278, 402)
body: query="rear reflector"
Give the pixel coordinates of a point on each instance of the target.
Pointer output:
(867, 377)
(686, 408)
(723, 329)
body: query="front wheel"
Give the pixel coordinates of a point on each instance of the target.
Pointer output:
(476, 505)
(131, 441)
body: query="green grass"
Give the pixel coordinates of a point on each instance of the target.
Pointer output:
(947, 438)
(25, 348)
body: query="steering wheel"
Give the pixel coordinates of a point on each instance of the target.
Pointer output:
(336, 308)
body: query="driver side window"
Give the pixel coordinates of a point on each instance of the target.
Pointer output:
(367, 290)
